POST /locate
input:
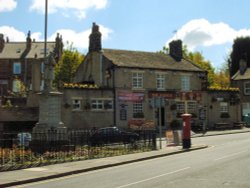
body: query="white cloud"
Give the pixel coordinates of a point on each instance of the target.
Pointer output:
(12, 33)
(7, 5)
(80, 40)
(200, 32)
(77, 7)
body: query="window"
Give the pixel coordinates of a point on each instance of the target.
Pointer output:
(76, 104)
(191, 106)
(160, 81)
(101, 104)
(108, 104)
(17, 68)
(137, 80)
(245, 108)
(185, 83)
(223, 107)
(180, 107)
(138, 110)
(247, 88)
(97, 104)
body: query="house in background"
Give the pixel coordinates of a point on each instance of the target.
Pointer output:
(21, 78)
(241, 79)
(21, 63)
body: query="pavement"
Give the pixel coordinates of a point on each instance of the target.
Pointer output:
(29, 175)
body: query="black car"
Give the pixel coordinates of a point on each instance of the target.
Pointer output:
(112, 135)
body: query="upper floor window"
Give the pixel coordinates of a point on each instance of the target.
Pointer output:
(160, 81)
(247, 88)
(17, 68)
(137, 80)
(185, 83)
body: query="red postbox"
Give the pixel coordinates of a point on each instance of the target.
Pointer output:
(186, 131)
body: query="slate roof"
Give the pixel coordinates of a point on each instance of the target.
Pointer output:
(238, 76)
(38, 48)
(16, 50)
(148, 60)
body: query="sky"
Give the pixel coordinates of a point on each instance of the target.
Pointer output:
(206, 26)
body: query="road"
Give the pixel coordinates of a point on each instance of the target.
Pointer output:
(225, 164)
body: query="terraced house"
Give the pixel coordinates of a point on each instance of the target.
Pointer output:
(21, 78)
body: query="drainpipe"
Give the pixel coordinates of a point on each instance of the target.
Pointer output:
(114, 96)
(101, 69)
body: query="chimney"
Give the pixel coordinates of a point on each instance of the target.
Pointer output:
(175, 49)
(28, 41)
(95, 44)
(2, 42)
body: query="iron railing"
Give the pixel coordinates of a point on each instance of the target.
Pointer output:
(19, 152)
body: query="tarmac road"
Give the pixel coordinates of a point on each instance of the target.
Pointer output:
(224, 164)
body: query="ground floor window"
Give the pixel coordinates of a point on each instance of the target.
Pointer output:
(223, 107)
(245, 109)
(76, 104)
(138, 110)
(101, 104)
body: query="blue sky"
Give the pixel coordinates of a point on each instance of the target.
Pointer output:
(207, 26)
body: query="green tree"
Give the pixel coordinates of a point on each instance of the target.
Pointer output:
(67, 65)
(198, 59)
(218, 79)
(240, 50)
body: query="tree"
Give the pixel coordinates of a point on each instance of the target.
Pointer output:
(218, 79)
(240, 50)
(67, 65)
(198, 59)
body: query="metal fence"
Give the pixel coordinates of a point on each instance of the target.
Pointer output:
(24, 152)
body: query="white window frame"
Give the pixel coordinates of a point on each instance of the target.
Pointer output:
(247, 88)
(17, 68)
(137, 108)
(191, 106)
(100, 104)
(180, 106)
(160, 81)
(185, 82)
(137, 80)
(224, 108)
(76, 104)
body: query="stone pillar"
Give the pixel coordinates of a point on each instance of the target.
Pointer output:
(49, 133)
